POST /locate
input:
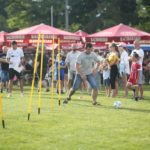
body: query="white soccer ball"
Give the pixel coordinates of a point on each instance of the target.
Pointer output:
(117, 104)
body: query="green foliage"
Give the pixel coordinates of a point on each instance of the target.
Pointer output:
(144, 14)
(74, 27)
(18, 12)
(87, 15)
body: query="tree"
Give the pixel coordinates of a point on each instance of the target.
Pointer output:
(27, 13)
(3, 15)
(18, 13)
(88, 15)
(143, 7)
(101, 14)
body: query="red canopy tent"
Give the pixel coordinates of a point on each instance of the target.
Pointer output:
(118, 33)
(2, 38)
(81, 33)
(30, 35)
(79, 46)
(101, 46)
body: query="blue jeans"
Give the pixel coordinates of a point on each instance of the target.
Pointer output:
(4, 76)
(78, 80)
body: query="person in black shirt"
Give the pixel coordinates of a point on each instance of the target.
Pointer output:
(4, 69)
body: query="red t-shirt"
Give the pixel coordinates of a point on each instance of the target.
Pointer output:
(134, 73)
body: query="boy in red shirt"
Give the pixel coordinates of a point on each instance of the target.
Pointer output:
(133, 79)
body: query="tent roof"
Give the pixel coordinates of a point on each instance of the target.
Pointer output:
(43, 29)
(81, 33)
(120, 30)
(2, 36)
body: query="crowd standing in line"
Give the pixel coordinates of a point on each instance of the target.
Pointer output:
(89, 67)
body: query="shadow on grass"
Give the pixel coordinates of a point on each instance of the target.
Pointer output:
(111, 107)
(136, 110)
(128, 109)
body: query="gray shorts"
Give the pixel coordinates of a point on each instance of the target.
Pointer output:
(140, 81)
(71, 74)
(107, 82)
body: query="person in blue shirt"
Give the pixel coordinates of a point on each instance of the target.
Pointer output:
(62, 73)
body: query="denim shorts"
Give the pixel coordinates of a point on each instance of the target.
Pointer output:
(107, 82)
(78, 80)
(4, 76)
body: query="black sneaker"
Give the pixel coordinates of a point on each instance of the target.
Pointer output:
(47, 90)
(96, 104)
(66, 101)
(134, 92)
(136, 98)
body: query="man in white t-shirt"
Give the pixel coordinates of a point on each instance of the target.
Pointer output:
(71, 62)
(140, 52)
(124, 67)
(15, 57)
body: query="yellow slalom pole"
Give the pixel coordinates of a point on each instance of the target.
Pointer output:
(33, 80)
(41, 70)
(1, 112)
(59, 82)
(52, 88)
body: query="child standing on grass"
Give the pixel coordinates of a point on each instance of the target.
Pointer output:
(62, 73)
(106, 77)
(134, 75)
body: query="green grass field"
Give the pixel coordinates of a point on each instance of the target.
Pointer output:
(76, 126)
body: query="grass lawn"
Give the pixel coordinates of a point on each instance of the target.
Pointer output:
(76, 126)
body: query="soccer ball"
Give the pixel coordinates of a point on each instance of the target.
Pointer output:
(117, 104)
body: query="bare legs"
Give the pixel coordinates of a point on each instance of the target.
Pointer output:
(2, 86)
(140, 88)
(94, 95)
(11, 85)
(124, 85)
(108, 90)
(134, 88)
(21, 85)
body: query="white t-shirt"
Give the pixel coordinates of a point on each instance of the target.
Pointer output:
(71, 60)
(124, 60)
(140, 52)
(101, 59)
(15, 57)
(106, 74)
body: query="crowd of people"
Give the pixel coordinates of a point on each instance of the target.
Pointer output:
(87, 69)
